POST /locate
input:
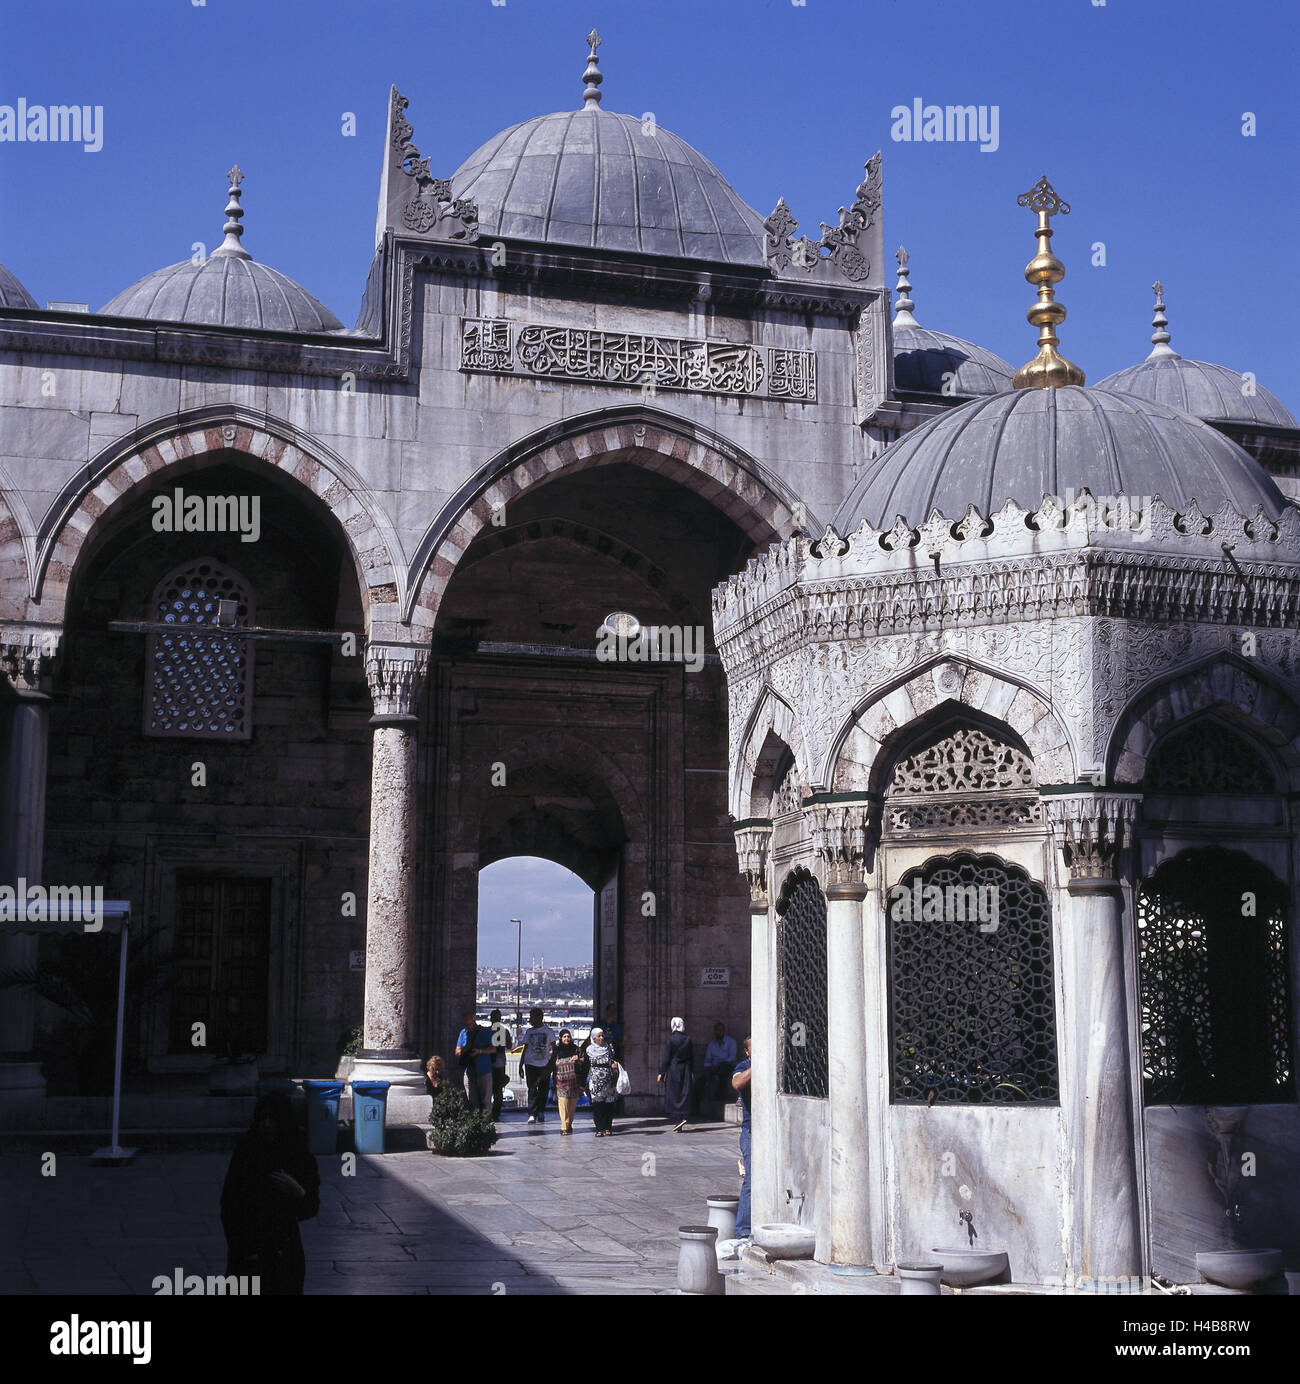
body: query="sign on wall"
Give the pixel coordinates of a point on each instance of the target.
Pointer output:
(357, 960)
(715, 978)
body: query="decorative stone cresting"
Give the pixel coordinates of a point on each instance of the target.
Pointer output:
(1092, 829)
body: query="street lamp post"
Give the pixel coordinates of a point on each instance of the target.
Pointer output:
(519, 966)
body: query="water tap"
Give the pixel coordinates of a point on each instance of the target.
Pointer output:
(969, 1221)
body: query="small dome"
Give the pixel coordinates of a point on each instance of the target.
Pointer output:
(223, 292)
(1212, 392)
(12, 293)
(606, 181)
(228, 289)
(1205, 391)
(927, 362)
(1028, 443)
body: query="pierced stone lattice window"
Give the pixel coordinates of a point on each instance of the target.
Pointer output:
(801, 986)
(199, 682)
(972, 1011)
(1207, 757)
(1215, 982)
(964, 779)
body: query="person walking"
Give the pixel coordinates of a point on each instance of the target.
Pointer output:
(740, 1082)
(602, 1081)
(676, 1075)
(501, 1044)
(536, 1064)
(570, 1071)
(272, 1184)
(474, 1052)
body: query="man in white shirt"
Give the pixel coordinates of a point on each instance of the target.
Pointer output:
(536, 1063)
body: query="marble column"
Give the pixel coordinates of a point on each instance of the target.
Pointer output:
(841, 836)
(1106, 1241)
(396, 674)
(753, 839)
(27, 658)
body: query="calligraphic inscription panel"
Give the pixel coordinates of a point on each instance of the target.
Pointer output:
(635, 360)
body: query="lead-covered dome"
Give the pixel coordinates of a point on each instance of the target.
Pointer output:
(606, 181)
(12, 293)
(1027, 443)
(1208, 391)
(228, 289)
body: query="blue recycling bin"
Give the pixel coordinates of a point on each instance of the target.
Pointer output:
(369, 1105)
(322, 1114)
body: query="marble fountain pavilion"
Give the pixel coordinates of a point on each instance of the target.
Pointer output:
(973, 634)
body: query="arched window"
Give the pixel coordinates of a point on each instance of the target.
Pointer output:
(1207, 757)
(801, 986)
(199, 679)
(1215, 982)
(972, 1010)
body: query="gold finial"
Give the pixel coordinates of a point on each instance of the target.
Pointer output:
(592, 76)
(1048, 369)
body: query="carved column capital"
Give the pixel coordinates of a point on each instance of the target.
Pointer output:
(753, 837)
(1092, 829)
(396, 674)
(843, 836)
(27, 657)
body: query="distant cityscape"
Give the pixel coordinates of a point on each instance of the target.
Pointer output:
(562, 992)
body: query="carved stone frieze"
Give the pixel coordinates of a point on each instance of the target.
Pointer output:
(396, 675)
(1091, 829)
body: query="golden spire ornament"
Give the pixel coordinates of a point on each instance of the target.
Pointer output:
(1048, 369)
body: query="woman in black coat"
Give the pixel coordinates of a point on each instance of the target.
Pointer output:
(272, 1184)
(675, 1074)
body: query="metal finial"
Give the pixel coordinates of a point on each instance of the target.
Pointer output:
(1048, 369)
(230, 247)
(592, 76)
(903, 309)
(1160, 347)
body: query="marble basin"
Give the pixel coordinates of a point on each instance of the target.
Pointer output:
(786, 1240)
(1239, 1268)
(964, 1268)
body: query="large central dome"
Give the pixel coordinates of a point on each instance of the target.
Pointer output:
(606, 181)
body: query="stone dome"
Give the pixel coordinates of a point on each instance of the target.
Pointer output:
(12, 293)
(1027, 443)
(224, 292)
(228, 289)
(1201, 389)
(594, 178)
(1212, 392)
(929, 362)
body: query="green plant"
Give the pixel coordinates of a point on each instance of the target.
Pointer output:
(350, 1043)
(458, 1131)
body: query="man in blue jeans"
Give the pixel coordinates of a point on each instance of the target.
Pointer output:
(740, 1082)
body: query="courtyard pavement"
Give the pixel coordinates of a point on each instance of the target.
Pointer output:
(540, 1214)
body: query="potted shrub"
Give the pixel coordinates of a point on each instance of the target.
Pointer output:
(457, 1131)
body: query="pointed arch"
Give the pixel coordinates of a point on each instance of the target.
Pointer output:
(131, 465)
(946, 686)
(1229, 688)
(756, 499)
(772, 729)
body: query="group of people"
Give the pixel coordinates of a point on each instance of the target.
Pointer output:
(683, 1095)
(483, 1051)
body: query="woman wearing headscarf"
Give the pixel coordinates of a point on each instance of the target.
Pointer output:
(675, 1074)
(272, 1184)
(602, 1081)
(570, 1069)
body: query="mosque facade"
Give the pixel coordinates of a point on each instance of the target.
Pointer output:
(632, 529)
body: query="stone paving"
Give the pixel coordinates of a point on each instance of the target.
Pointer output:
(540, 1214)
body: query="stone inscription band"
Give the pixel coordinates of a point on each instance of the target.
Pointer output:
(623, 358)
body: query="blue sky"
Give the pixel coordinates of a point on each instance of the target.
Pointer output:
(1132, 108)
(555, 906)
